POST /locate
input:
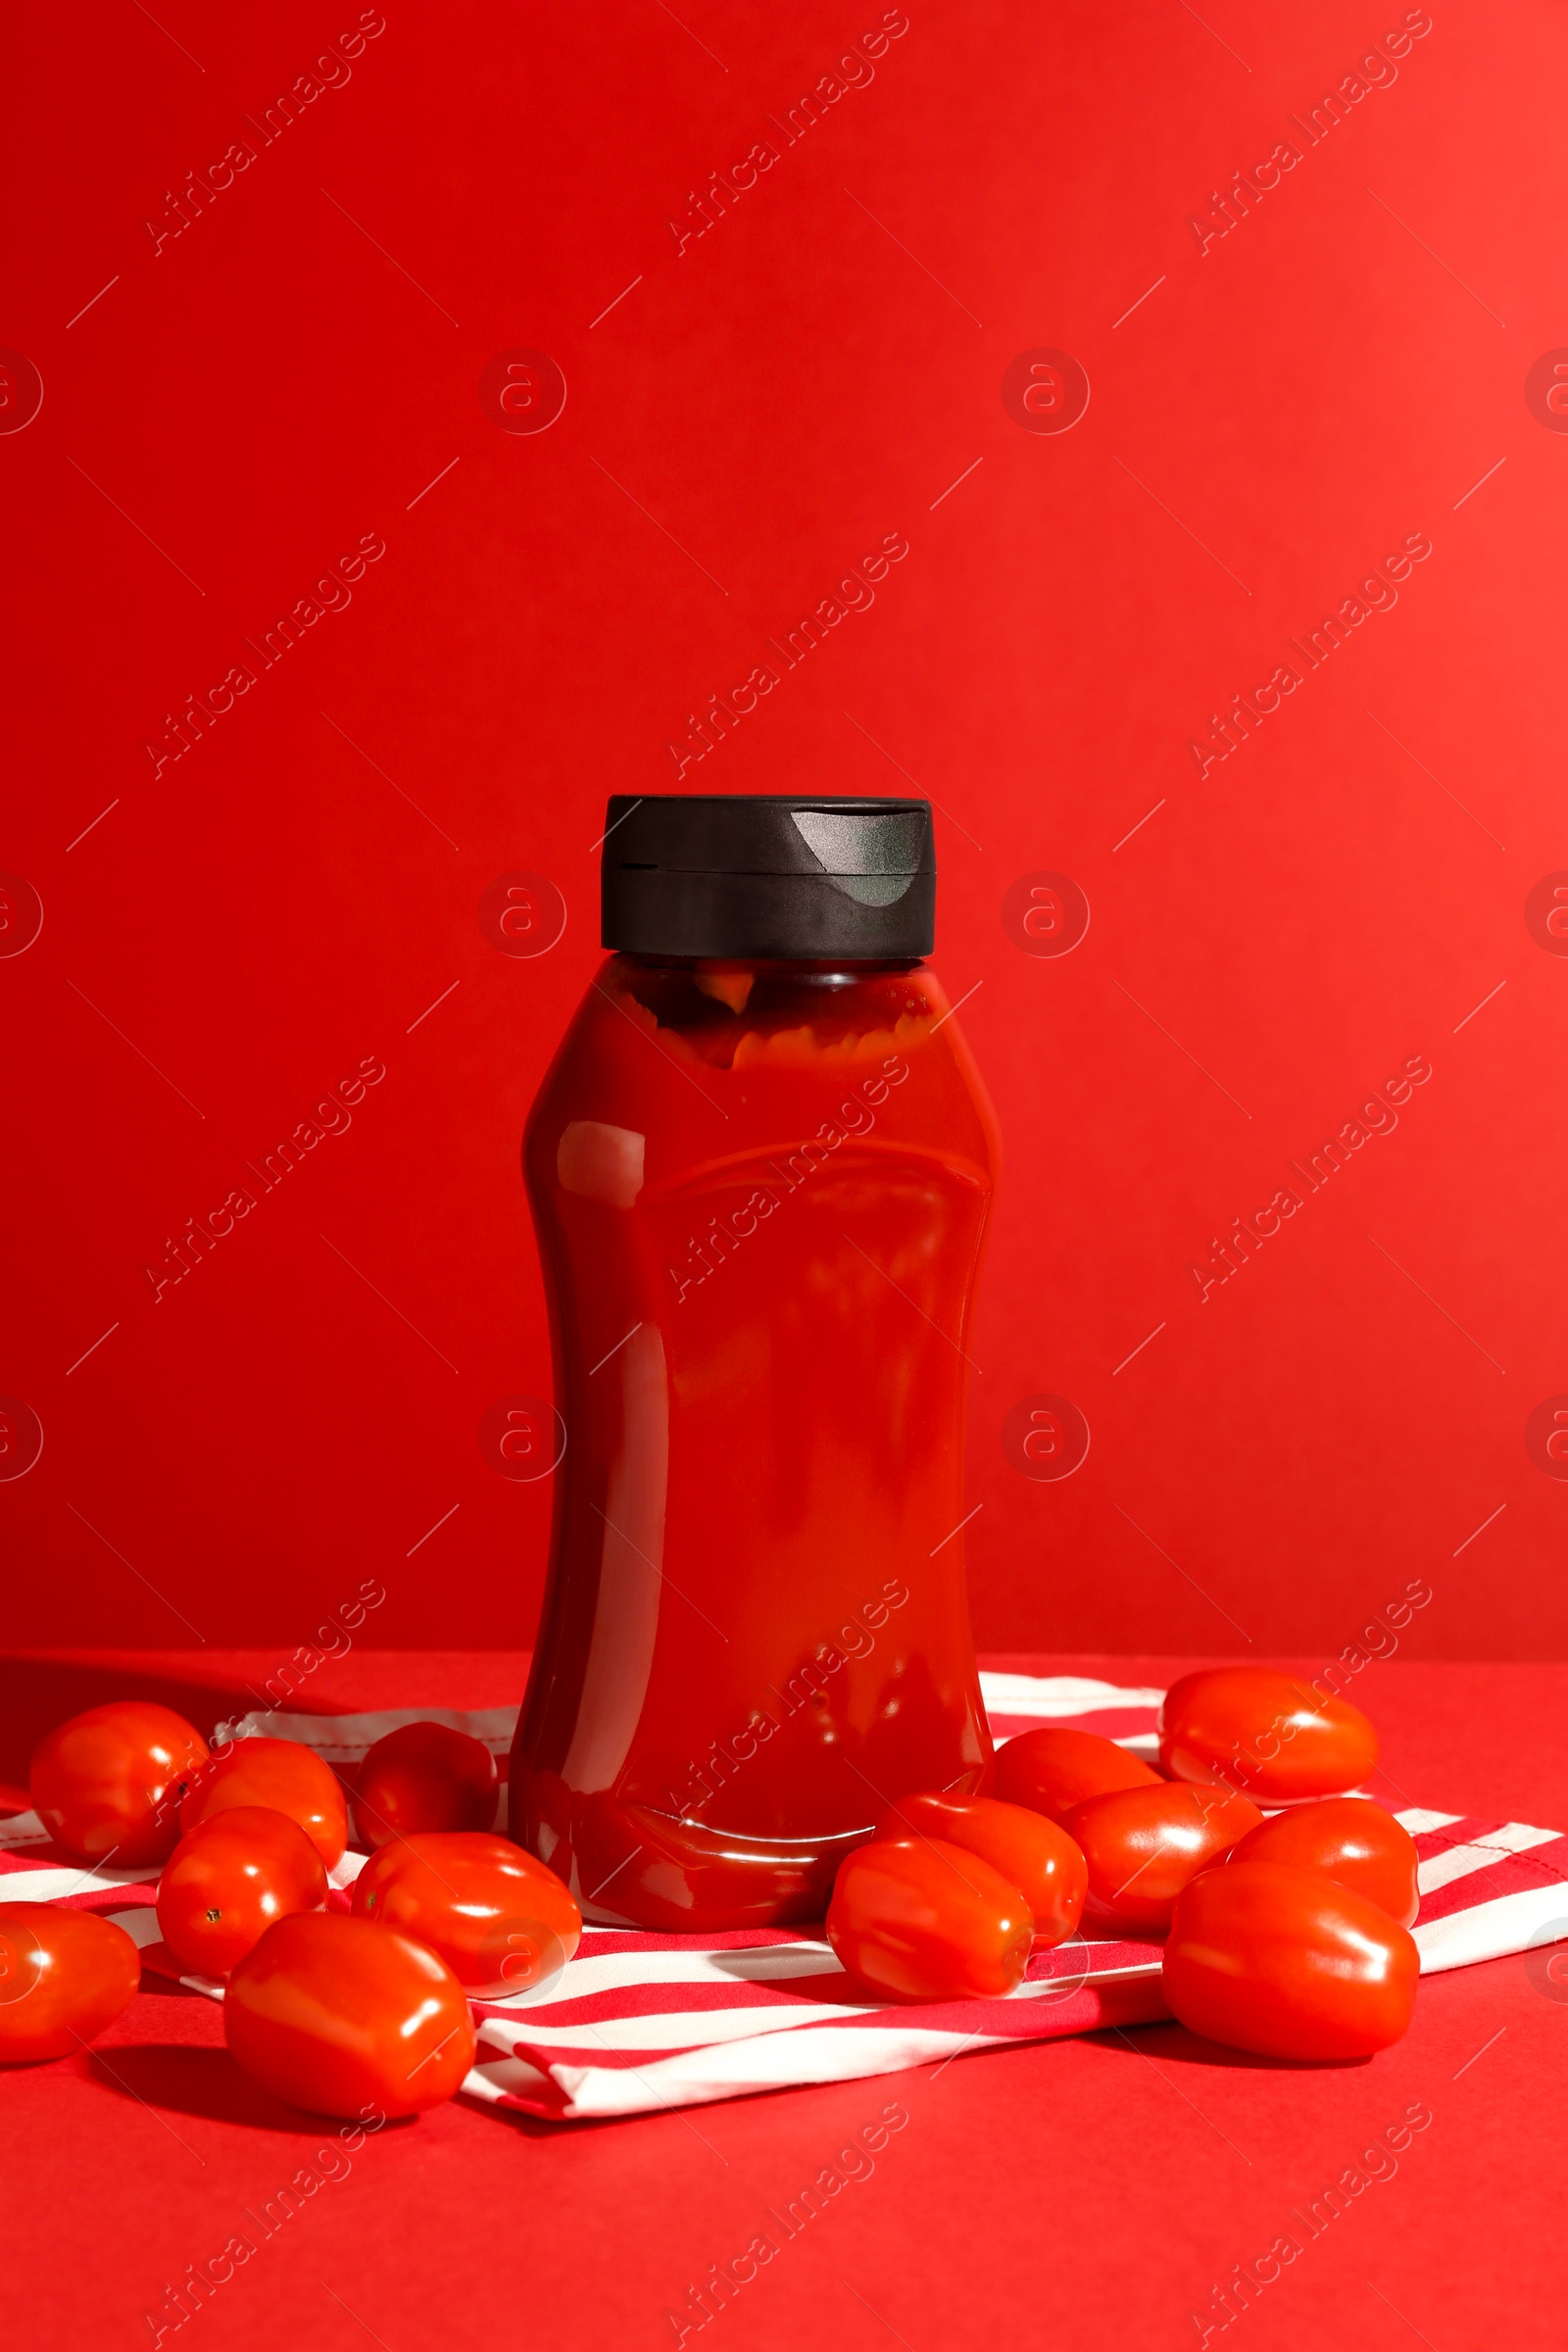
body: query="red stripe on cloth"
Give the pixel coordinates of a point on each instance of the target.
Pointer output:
(597, 1942)
(1473, 1829)
(111, 1899)
(1016, 2020)
(657, 2000)
(1078, 1962)
(1128, 2001)
(1465, 1829)
(16, 1870)
(1509, 1874)
(1060, 1975)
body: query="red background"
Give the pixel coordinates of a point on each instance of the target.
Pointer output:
(240, 930)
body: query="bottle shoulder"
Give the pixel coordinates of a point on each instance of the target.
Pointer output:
(691, 1077)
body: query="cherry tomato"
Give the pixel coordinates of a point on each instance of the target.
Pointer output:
(342, 2014)
(927, 1921)
(107, 1785)
(500, 1920)
(1031, 1853)
(1050, 1771)
(1266, 1957)
(227, 1882)
(422, 1778)
(64, 1976)
(282, 1775)
(1142, 1845)
(1349, 1839)
(1248, 1726)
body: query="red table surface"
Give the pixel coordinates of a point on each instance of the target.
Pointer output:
(1086, 2193)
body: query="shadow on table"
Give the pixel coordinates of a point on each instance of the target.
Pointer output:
(176, 2079)
(1169, 2044)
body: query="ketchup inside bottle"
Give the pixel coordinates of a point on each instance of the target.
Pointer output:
(761, 1190)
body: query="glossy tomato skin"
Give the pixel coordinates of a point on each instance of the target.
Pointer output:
(106, 1786)
(1350, 1841)
(1052, 1770)
(227, 1882)
(500, 1920)
(926, 1921)
(1252, 1728)
(1286, 1962)
(343, 2016)
(64, 1976)
(1142, 1845)
(1024, 1847)
(282, 1775)
(421, 1778)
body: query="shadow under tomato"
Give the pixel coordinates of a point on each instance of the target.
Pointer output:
(1172, 2044)
(203, 2082)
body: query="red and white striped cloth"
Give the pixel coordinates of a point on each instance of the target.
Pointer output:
(640, 2022)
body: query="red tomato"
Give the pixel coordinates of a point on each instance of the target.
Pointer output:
(1030, 1852)
(1142, 1845)
(1050, 1771)
(107, 1785)
(927, 1921)
(1286, 1962)
(422, 1778)
(285, 1776)
(1350, 1841)
(500, 1920)
(223, 1885)
(1248, 1726)
(64, 1976)
(341, 2014)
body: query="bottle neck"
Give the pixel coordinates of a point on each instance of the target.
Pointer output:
(842, 969)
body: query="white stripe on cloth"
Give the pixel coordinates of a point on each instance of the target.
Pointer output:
(1052, 1695)
(668, 2028)
(502, 2080)
(613, 1971)
(680, 2028)
(1509, 1923)
(601, 1972)
(21, 1829)
(54, 1882)
(30, 1882)
(730, 2070)
(140, 1925)
(344, 1738)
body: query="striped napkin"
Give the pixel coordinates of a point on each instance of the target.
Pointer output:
(640, 2022)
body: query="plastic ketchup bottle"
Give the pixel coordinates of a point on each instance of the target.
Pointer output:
(760, 1168)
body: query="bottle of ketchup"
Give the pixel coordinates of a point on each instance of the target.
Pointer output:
(760, 1168)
